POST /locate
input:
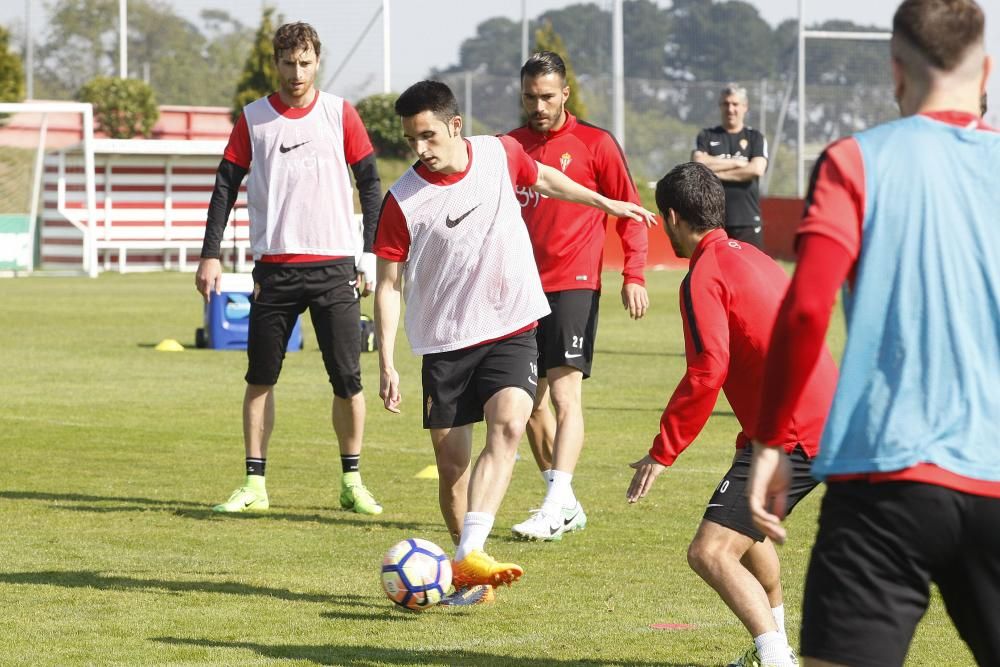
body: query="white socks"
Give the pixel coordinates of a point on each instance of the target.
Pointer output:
(547, 476)
(560, 493)
(779, 619)
(475, 529)
(773, 649)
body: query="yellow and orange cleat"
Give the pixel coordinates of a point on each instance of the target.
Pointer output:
(479, 568)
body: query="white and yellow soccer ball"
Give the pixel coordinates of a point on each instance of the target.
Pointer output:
(416, 574)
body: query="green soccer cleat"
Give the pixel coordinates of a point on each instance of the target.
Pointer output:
(355, 496)
(244, 499)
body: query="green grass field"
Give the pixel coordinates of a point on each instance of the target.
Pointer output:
(114, 454)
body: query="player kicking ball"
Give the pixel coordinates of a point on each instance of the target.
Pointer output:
(451, 235)
(729, 301)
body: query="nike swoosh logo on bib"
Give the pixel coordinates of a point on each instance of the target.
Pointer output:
(284, 149)
(449, 223)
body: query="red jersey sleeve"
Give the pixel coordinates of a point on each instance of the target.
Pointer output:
(835, 203)
(829, 244)
(357, 145)
(392, 241)
(705, 314)
(799, 331)
(611, 171)
(615, 181)
(523, 168)
(238, 149)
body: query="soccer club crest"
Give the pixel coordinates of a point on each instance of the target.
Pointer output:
(743, 144)
(564, 161)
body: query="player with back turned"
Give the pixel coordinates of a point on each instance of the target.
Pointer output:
(728, 302)
(906, 214)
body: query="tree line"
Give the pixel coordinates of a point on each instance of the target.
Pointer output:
(668, 52)
(691, 40)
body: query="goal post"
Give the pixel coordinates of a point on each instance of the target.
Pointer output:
(802, 153)
(30, 132)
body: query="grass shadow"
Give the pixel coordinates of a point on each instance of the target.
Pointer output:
(98, 581)
(202, 511)
(344, 518)
(85, 498)
(360, 655)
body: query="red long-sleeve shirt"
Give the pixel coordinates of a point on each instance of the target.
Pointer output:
(568, 239)
(729, 301)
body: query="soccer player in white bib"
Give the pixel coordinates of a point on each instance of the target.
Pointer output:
(300, 142)
(451, 237)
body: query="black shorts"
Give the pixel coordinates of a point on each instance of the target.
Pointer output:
(751, 235)
(730, 506)
(878, 548)
(281, 294)
(566, 335)
(457, 384)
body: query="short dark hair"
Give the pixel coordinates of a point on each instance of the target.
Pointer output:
(292, 36)
(695, 194)
(542, 63)
(940, 30)
(432, 96)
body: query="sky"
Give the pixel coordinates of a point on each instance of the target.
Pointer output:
(427, 34)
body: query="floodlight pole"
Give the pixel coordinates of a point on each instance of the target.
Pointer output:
(524, 31)
(123, 39)
(800, 175)
(386, 49)
(29, 51)
(618, 73)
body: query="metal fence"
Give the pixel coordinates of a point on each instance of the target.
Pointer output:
(663, 117)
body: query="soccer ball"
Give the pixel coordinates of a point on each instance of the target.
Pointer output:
(416, 574)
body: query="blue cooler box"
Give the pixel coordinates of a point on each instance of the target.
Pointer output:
(227, 316)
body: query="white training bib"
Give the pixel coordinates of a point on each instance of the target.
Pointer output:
(299, 194)
(470, 275)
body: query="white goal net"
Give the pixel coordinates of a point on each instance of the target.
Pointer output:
(29, 133)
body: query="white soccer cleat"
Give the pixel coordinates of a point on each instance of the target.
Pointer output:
(548, 528)
(574, 517)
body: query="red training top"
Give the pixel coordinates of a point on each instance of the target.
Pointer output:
(568, 239)
(729, 300)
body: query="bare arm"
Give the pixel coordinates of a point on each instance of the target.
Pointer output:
(388, 299)
(553, 183)
(744, 171)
